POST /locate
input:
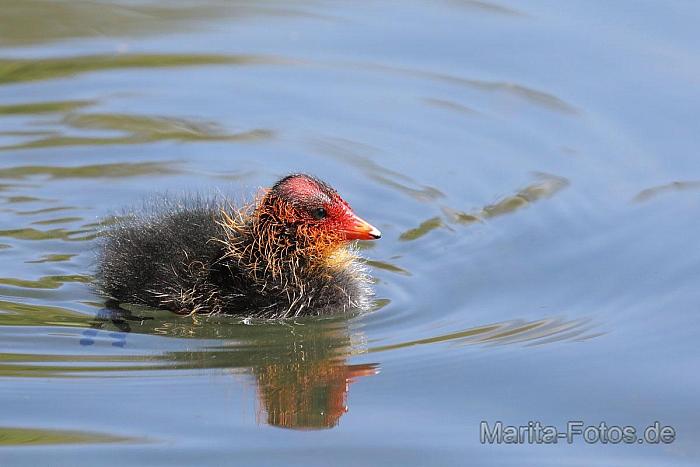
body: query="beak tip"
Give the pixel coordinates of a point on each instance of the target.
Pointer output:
(360, 229)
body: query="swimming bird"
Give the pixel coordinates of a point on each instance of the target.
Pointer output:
(290, 253)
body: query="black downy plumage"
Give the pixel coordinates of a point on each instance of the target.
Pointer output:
(290, 255)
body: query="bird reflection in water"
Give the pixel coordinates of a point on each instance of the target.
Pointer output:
(301, 370)
(309, 394)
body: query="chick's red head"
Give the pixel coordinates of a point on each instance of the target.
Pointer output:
(309, 203)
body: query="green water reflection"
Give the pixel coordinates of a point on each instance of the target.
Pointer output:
(137, 129)
(38, 21)
(545, 187)
(21, 70)
(12, 436)
(118, 170)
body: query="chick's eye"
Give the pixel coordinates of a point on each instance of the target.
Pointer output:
(319, 213)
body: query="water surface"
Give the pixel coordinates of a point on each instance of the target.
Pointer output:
(532, 166)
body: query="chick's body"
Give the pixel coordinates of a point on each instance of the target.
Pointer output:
(200, 256)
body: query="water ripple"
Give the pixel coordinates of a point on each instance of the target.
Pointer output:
(530, 95)
(15, 436)
(539, 332)
(356, 154)
(38, 21)
(647, 194)
(138, 129)
(21, 70)
(118, 170)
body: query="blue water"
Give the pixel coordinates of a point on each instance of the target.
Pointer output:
(532, 166)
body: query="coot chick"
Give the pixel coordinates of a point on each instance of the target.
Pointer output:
(289, 254)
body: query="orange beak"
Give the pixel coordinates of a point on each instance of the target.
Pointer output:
(359, 229)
